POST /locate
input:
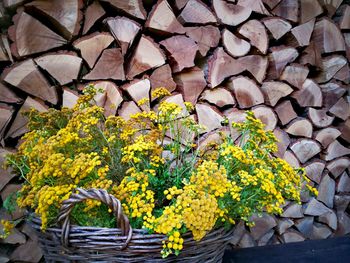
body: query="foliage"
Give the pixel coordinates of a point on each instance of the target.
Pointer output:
(166, 183)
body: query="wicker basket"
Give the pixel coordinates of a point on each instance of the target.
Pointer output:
(122, 244)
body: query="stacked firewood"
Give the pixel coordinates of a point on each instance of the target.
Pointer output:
(286, 60)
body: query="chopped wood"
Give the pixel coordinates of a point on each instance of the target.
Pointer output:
(7, 95)
(191, 83)
(292, 236)
(19, 125)
(256, 65)
(219, 96)
(295, 74)
(161, 77)
(290, 158)
(279, 58)
(271, 3)
(221, 66)
(309, 9)
(205, 36)
(4, 55)
(320, 231)
(92, 45)
(320, 118)
(314, 170)
(211, 137)
(274, 90)
(182, 52)
(109, 66)
(162, 19)
(344, 22)
(209, 117)
(262, 225)
(179, 4)
(26, 41)
(345, 130)
(305, 149)
(347, 44)
(330, 66)
(110, 98)
(137, 90)
(256, 5)
(124, 30)
(147, 55)
(302, 33)
(6, 174)
(300, 127)
(309, 95)
(341, 109)
(283, 225)
(6, 46)
(132, 7)
(231, 14)
(311, 56)
(69, 98)
(196, 12)
(343, 185)
(128, 109)
(331, 6)
(278, 27)
(6, 113)
(343, 74)
(305, 225)
(247, 93)
(329, 218)
(179, 100)
(65, 15)
(326, 191)
(331, 93)
(293, 211)
(327, 136)
(328, 36)
(335, 150)
(288, 9)
(282, 143)
(267, 116)
(338, 166)
(235, 46)
(63, 66)
(316, 208)
(285, 112)
(26, 76)
(12, 3)
(235, 115)
(93, 13)
(256, 33)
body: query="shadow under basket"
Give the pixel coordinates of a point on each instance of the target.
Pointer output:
(122, 244)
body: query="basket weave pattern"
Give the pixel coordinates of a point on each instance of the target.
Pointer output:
(122, 244)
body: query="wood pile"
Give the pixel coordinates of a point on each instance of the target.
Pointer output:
(287, 60)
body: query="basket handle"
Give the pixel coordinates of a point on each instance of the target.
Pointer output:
(96, 194)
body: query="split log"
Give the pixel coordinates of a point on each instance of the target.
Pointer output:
(4, 54)
(327, 135)
(161, 77)
(341, 202)
(256, 33)
(343, 185)
(300, 127)
(7, 95)
(262, 225)
(235, 115)
(179, 100)
(295, 74)
(191, 83)
(303, 32)
(179, 4)
(344, 22)
(335, 150)
(110, 98)
(347, 44)
(26, 76)
(267, 116)
(109, 66)
(309, 9)
(28, 43)
(65, 15)
(329, 218)
(279, 58)
(206, 37)
(314, 170)
(343, 74)
(91, 46)
(182, 52)
(147, 55)
(341, 109)
(235, 46)
(271, 3)
(293, 211)
(132, 7)
(93, 13)
(282, 143)
(162, 19)
(219, 96)
(19, 125)
(290, 158)
(274, 90)
(63, 66)
(328, 36)
(283, 225)
(338, 166)
(69, 98)
(319, 118)
(196, 12)
(345, 130)
(247, 93)
(278, 27)
(326, 191)
(316, 208)
(309, 95)
(285, 112)
(256, 65)
(331, 93)
(256, 5)
(305, 225)
(330, 66)
(305, 149)
(124, 30)
(331, 6)
(6, 46)
(221, 66)
(128, 109)
(311, 56)
(6, 113)
(231, 14)
(137, 90)
(209, 117)
(288, 9)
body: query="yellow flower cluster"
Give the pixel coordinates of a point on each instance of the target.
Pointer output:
(7, 227)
